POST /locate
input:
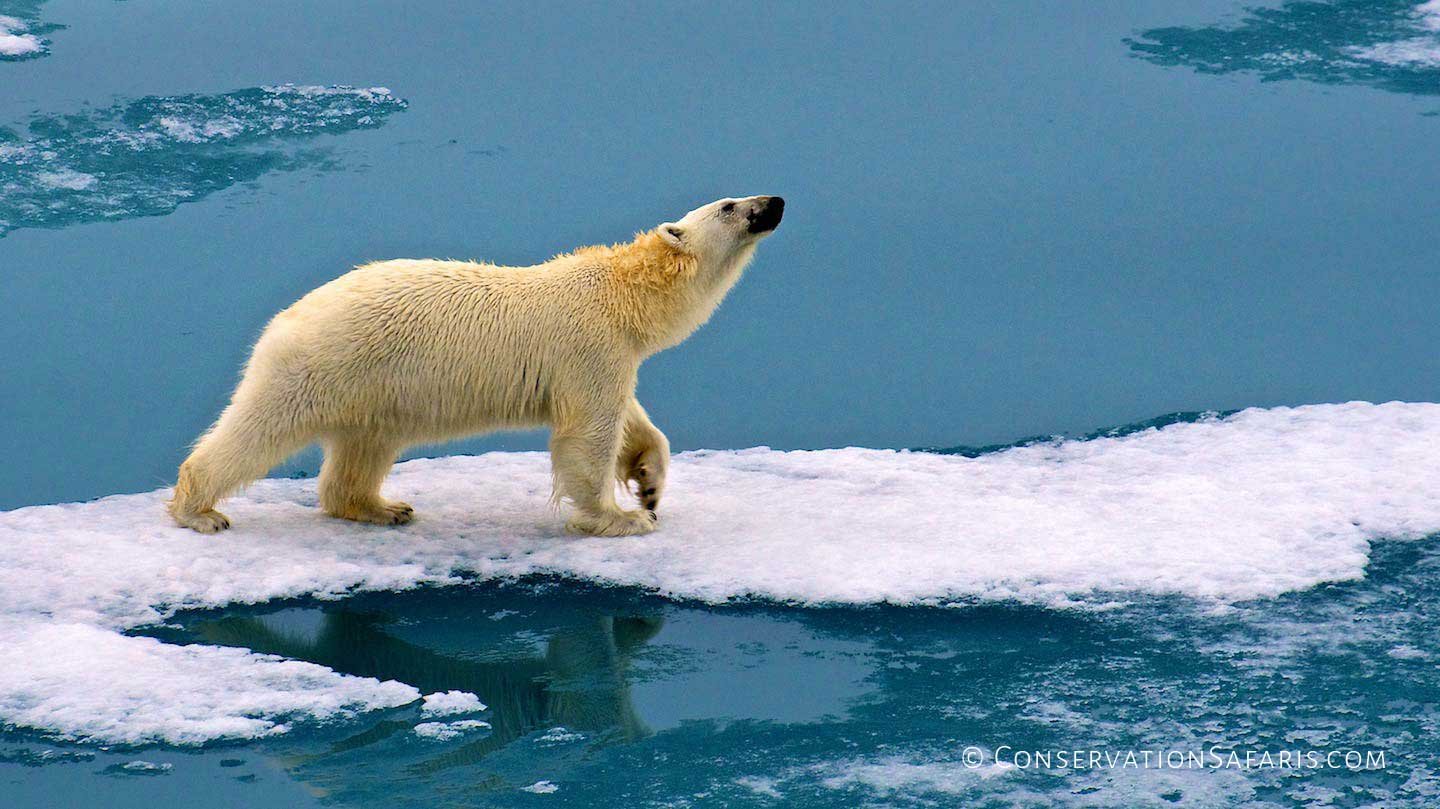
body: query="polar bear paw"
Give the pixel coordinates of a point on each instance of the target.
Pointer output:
(615, 523)
(647, 473)
(205, 522)
(379, 512)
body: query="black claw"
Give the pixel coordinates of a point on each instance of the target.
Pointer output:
(652, 514)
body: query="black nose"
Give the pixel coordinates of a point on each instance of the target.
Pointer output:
(766, 216)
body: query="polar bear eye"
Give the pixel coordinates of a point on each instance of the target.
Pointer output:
(727, 207)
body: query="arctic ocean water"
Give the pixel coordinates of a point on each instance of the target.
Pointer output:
(1003, 221)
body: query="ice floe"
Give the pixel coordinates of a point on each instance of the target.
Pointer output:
(86, 682)
(1222, 510)
(1392, 46)
(1416, 51)
(449, 703)
(15, 42)
(445, 731)
(146, 156)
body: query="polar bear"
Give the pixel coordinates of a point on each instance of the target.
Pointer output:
(404, 352)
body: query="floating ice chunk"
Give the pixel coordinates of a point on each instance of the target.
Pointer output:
(1412, 52)
(92, 684)
(14, 42)
(449, 703)
(1419, 51)
(19, 44)
(559, 735)
(444, 731)
(138, 767)
(541, 788)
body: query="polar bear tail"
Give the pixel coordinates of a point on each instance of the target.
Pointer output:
(238, 449)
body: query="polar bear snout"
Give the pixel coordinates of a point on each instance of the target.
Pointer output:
(765, 214)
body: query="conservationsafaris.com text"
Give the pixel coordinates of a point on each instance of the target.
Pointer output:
(1208, 758)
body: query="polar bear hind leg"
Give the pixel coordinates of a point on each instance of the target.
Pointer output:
(239, 448)
(355, 466)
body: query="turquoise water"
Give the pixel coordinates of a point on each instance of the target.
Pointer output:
(1006, 220)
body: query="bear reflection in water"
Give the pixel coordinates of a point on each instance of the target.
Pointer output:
(580, 682)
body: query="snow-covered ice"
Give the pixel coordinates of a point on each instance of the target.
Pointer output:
(449, 703)
(88, 682)
(1222, 510)
(445, 731)
(1418, 51)
(14, 42)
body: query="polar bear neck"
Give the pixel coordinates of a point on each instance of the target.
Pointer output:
(658, 295)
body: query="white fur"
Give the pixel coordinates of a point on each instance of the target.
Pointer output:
(403, 352)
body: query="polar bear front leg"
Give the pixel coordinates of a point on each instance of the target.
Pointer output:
(644, 456)
(582, 459)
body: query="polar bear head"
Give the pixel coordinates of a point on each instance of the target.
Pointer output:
(726, 231)
(675, 275)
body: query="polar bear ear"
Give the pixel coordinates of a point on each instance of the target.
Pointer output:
(673, 234)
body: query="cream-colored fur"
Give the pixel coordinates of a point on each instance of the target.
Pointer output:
(405, 352)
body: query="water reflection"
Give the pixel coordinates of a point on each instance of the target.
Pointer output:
(147, 156)
(1387, 44)
(579, 682)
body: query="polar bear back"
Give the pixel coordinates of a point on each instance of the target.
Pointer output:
(431, 348)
